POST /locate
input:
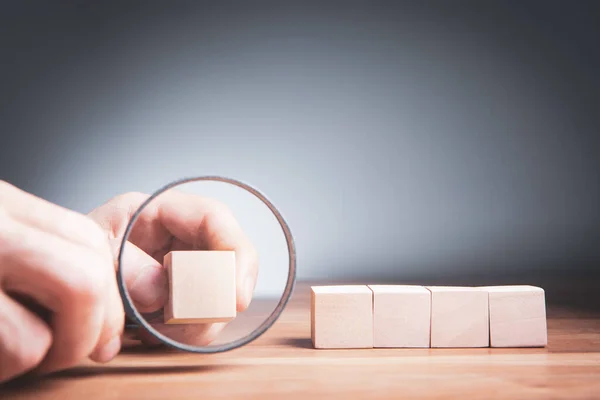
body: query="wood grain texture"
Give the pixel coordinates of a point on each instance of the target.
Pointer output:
(459, 317)
(517, 316)
(342, 317)
(283, 365)
(401, 316)
(201, 287)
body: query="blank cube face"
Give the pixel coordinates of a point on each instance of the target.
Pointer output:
(201, 287)
(459, 317)
(517, 316)
(341, 317)
(401, 316)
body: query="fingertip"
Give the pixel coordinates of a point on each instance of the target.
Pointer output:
(108, 351)
(247, 292)
(145, 279)
(150, 290)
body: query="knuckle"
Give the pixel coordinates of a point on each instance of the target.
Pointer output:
(7, 234)
(119, 209)
(219, 214)
(125, 205)
(221, 208)
(4, 185)
(23, 345)
(96, 236)
(32, 353)
(88, 283)
(5, 190)
(130, 199)
(3, 213)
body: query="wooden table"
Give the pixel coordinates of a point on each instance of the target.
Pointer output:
(282, 365)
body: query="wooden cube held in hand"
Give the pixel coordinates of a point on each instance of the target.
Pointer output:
(459, 317)
(202, 287)
(401, 316)
(341, 317)
(517, 316)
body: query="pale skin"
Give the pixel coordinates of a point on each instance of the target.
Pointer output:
(59, 299)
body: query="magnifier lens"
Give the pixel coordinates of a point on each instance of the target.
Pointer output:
(206, 265)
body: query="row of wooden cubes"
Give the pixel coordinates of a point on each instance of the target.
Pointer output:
(406, 316)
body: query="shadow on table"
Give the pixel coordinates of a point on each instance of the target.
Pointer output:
(148, 350)
(134, 370)
(31, 384)
(300, 343)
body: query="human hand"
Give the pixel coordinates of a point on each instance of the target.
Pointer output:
(59, 301)
(174, 221)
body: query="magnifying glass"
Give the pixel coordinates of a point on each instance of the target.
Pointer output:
(195, 256)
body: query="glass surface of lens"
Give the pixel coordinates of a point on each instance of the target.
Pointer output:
(206, 265)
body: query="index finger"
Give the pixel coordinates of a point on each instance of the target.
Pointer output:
(203, 223)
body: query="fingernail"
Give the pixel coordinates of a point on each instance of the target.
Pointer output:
(110, 350)
(249, 289)
(149, 286)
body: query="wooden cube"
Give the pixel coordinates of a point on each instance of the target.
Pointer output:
(202, 287)
(401, 316)
(459, 317)
(517, 316)
(341, 317)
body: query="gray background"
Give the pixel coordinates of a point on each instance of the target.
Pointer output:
(400, 140)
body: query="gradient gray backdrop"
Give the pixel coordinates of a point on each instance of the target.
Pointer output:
(401, 140)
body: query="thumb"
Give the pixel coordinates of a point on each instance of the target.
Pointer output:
(145, 278)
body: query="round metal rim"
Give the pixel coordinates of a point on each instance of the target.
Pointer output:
(133, 313)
